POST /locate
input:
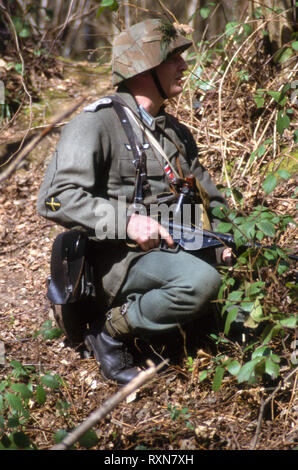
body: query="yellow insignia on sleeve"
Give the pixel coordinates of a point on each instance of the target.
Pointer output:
(53, 203)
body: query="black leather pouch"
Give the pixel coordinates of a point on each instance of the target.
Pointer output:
(71, 278)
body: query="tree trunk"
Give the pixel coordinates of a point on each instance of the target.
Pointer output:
(280, 16)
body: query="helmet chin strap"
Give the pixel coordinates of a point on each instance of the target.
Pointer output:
(158, 84)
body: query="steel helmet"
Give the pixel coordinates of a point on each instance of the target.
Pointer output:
(144, 46)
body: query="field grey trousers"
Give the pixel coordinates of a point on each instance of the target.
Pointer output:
(164, 289)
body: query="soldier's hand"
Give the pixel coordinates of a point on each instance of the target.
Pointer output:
(147, 232)
(227, 256)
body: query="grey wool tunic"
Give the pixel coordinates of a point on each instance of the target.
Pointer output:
(92, 174)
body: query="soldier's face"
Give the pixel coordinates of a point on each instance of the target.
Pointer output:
(170, 74)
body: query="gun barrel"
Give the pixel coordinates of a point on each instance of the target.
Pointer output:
(184, 235)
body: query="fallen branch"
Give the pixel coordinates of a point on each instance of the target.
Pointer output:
(34, 142)
(108, 406)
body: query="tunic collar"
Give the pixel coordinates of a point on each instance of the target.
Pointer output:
(150, 121)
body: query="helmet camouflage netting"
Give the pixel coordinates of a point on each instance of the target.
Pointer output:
(143, 47)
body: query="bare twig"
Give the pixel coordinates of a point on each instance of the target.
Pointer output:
(62, 27)
(223, 152)
(263, 405)
(108, 406)
(167, 11)
(35, 141)
(12, 26)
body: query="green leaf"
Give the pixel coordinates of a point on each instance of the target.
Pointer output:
(18, 68)
(233, 367)
(255, 316)
(248, 228)
(261, 352)
(111, 4)
(261, 150)
(289, 322)
(247, 307)
(89, 439)
(219, 212)
(14, 402)
(224, 227)
(229, 320)
(22, 389)
(281, 56)
(270, 255)
(52, 333)
(60, 435)
(259, 98)
(48, 331)
(255, 288)
(3, 385)
(13, 422)
(50, 381)
(267, 228)
(295, 45)
(231, 28)
(258, 13)
(1, 403)
(18, 369)
(283, 122)
(236, 296)
(260, 236)
(203, 375)
(41, 395)
(284, 174)
(260, 367)
(204, 12)
(269, 332)
(271, 368)
(252, 156)
(269, 183)
(21, 440)
(280, 96)
(219, 373)
(5, 441)
(25, 33)
(275, 95)
(247, 371)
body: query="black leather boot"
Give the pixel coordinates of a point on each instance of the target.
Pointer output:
(116, 363)
(110, 349)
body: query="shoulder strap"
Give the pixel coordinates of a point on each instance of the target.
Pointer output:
(142, 186)
(154, 142)
(148, 131)
(136, 150)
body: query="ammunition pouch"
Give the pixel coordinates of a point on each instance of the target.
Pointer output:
(71, 278)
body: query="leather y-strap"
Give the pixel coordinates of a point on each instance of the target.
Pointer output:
(136, 149)
(147, 131)
(142, 186)
(202, 193)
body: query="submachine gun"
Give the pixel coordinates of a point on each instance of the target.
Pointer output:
(190, 236)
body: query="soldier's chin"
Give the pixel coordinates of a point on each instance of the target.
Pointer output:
(176, 90)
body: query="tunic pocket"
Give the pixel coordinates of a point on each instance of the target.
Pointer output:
(128, 170)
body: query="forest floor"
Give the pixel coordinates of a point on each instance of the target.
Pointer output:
(173, 411)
